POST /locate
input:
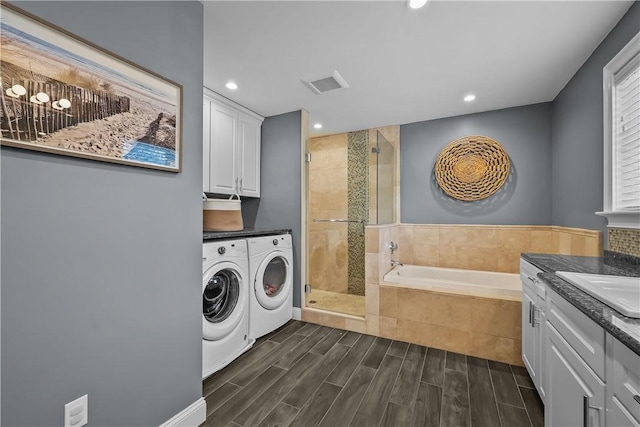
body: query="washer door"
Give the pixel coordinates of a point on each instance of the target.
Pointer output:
(272, 284)
(223, 300)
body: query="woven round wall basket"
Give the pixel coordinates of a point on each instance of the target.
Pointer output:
(472, 168)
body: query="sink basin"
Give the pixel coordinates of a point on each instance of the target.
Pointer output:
(621, 293)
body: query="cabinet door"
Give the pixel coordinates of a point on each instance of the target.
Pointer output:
(249, 154)
(568, 381)
(223, 161)
(529, 353)
(206, 143)
(618, 416)
(623, 383)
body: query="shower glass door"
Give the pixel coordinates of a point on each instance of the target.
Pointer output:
(337, 212)
(383, 158)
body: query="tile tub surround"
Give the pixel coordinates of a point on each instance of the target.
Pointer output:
(490, 247)
(478, 326)
(498, 241)
(623, 328)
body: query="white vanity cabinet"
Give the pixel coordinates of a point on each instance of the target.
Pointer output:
(533, 325)
(575, 366)
(231, 147)
(585, 376)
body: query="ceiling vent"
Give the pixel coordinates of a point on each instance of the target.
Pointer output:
(328, 84)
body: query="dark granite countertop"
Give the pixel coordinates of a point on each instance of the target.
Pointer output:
(246, 232)
(625, 329)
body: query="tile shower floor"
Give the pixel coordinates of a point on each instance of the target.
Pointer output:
(307, 375)
(336, 302)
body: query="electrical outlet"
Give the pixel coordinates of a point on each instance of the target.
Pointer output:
(76, 412)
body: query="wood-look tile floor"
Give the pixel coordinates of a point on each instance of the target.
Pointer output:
(309, 375)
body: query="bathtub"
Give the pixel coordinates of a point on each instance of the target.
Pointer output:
(455, 281)
(478, 313)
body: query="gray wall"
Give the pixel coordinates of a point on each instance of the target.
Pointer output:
(280, 199)
(101, 264)
(525, 134)
(577, 129)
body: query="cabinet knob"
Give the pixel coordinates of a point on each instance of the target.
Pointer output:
(637, 398)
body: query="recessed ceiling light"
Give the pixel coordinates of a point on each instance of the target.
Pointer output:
(469, 98)
(317, 126)
(231, 85)
(416, 4)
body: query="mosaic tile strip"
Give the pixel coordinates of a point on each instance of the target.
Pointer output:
(625, 240)
(357, 206)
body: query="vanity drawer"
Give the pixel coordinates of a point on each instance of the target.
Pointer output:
(626, 378)
(583, 334)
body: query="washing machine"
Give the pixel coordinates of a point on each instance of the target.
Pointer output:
(225, 304)
(271, 272)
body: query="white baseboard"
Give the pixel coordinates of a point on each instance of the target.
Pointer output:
(192, 416)
(297, 313)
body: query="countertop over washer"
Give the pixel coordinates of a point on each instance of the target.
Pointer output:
(625, 329)
(246, 232)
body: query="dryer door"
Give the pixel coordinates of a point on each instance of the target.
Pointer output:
(223, 300)
(273, 281)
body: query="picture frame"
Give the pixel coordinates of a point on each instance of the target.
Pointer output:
(64, 95)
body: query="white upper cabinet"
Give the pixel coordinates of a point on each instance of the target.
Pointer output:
(223, 151)
(231, 149)
(249, 143)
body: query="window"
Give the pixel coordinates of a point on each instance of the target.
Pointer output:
(621, 83)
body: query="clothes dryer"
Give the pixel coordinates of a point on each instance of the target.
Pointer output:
(271, 272)
(225, 304)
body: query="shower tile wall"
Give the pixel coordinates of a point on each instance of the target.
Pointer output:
(328, 199)
(357, 206)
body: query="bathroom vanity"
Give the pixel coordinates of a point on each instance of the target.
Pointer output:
(582, 355)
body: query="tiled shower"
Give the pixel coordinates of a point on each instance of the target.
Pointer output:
(352, 183)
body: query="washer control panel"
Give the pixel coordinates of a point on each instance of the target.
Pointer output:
(234, 248)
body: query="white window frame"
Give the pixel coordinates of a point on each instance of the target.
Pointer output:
(616, 218)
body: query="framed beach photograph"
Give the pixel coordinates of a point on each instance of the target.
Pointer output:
(64, 95)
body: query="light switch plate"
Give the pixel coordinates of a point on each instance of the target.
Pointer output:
(76, 412)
